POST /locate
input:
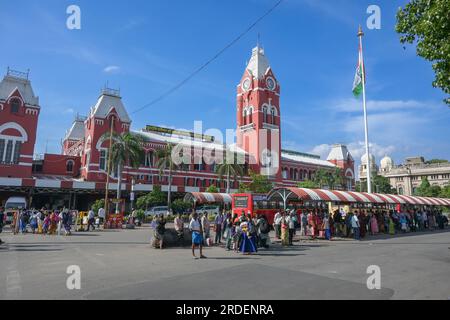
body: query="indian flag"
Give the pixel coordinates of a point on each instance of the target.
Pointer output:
(357, 82)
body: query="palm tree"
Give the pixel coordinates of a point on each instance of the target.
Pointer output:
(127, 149)
(165, 162)
(337, 178)
(321, 177)
(229, 169)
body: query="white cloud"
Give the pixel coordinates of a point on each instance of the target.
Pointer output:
(111, 69)
(69, 110)
(358, 149)
(322, 150)
(355, 105)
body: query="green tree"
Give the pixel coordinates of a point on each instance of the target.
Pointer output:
(423, 189)
(336, 178)
(180, 206)
(166, 162)
(382, 185)
(309, 184)
(126, 149)
(321, 178)
(212, 189)
(436, 161)
(100, 203)
(228, 170)
(260, 184)
(445, 192)
(427, 23)
(154, 198)
(427, 190)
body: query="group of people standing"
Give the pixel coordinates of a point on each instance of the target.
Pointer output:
(241, 233)
(40, 221)
(357, 223)
(285, 224)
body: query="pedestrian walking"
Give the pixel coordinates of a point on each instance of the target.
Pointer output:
(218, 221)
(355, 226)
(195, 226)
(228, 231)
(2, 219)
(179, 227)
(277, 224)
(326, 227)
(160, 229)
(101, 216)
(304, 224)
(263, 231)
(91, 220)
(206, 227)
(290, 219)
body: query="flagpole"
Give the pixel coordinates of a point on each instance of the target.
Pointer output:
(366, 126)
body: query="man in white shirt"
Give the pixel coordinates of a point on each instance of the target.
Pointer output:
(91, 219)
(101, 215)
(277, 224)
(355, 226)
(195, 226)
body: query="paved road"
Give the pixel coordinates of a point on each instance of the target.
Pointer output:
(122, 265)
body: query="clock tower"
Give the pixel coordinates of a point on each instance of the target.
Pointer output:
(258, 116)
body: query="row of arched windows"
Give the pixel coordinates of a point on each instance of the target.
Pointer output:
(297, 174)
(269, 114)
(204, 183)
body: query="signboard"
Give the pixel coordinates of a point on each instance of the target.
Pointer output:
(132, 196)
(179, 133)
(260, 197)
(241, 202)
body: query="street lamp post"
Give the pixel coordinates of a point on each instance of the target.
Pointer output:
(133, 182)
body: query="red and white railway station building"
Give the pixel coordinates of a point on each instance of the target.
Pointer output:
(76, 177)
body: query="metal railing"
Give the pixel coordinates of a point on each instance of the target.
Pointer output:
(18, 74)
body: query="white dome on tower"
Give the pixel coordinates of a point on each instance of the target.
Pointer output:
(387, 163)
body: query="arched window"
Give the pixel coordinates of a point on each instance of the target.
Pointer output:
(69, 166)
(272, 112)
(250, 115)
(15, 105)
(264, 111)
(148, 159)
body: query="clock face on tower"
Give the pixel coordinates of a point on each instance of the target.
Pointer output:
(246, 84)
(270, 82)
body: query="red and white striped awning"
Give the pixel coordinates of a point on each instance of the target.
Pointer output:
(207, 197)
(355, 197)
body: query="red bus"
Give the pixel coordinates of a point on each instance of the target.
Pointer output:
(258, 204)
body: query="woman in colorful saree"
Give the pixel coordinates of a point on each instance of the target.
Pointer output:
(284, 230)
(373, 224)
(247, 245)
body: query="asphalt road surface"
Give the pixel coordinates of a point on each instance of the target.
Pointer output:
(121, 265)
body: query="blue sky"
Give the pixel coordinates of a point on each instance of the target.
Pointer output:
(145, 47)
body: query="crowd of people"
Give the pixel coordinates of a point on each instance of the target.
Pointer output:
(239, 233)
(319, 223)
(246, 233)
(43, 221)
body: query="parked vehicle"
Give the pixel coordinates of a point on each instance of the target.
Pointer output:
(157, 211)
(212, 210)
(12, 205)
